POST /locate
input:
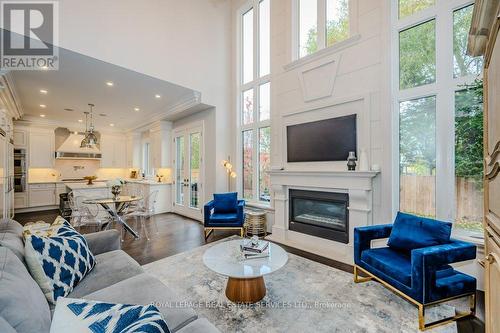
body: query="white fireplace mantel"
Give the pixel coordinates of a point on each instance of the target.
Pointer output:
(356, 180)
(359, 186)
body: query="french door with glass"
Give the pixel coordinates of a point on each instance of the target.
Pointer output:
(188, 159)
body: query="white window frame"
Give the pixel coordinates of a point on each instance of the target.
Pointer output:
(321, 26)
(241, 87)
(146, 160)
(443, 88)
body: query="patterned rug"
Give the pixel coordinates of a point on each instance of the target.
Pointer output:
(303, 296)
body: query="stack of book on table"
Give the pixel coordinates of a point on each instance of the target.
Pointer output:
(254, 249)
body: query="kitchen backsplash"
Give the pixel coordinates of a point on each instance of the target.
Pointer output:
(77, 168)
(65, 169)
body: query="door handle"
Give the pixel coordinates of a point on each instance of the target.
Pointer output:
(491, 258)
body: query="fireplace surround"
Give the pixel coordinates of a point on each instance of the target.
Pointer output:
(357, 185)
(321, 214)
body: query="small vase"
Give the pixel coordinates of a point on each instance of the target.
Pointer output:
(116, 189)
(363, 161)
(351, 161)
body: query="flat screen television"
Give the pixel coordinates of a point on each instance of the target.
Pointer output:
(322, 141)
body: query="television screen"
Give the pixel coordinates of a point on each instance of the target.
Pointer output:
(321, 141)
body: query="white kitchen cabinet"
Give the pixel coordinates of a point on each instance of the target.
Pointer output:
(21, 138)
(114, 151)
(163, 199)
(161, 135)
(42, 195)
(134, 150)
(41, 148)
(20, 200)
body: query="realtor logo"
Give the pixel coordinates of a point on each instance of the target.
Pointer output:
(29, 32)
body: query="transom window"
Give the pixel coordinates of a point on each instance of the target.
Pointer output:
(254, 103)
(438, 102)
(321, 23)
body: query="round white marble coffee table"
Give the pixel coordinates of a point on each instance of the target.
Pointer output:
(245, 282)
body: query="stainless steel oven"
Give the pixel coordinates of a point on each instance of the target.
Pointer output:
(19, 170)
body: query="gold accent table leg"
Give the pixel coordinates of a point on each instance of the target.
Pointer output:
(245, 290)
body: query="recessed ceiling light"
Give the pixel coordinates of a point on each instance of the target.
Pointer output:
(43, 91)
(110, 84)
(45, 68)
(75, 132)
(112, 125)
(137, 109)
(43, 106)
(157, 96)
(80, 120)
(42, 115)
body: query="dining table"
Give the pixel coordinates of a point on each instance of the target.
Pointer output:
(116, 207)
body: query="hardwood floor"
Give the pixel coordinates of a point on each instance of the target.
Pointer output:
(178, 234)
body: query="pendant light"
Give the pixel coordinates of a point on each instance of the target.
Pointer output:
(90, 140)
(84, 142)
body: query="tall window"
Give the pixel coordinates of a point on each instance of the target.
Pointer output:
(321, 23)
(255, 100)
(439, 105)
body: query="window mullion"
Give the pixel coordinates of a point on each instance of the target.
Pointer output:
(445, 140)
(321, 26)
(255, 162)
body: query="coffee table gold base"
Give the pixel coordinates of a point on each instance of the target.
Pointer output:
(245, 290)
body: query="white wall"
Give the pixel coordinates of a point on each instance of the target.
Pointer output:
(363, 70)
(184, 42)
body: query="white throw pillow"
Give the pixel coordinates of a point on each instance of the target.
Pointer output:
(58, 258)
(79, 316)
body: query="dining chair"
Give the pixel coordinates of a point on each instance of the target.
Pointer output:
(84, 215)
(144, 210)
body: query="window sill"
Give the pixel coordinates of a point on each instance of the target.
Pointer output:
(264, 206)
(323, 52)
(468, 237)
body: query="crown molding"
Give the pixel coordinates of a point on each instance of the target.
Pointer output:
(187, 102)
(8, 96)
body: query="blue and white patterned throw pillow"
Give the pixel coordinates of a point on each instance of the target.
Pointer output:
(58, 258)
(78, 316)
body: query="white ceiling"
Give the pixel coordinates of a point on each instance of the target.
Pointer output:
(81, 80)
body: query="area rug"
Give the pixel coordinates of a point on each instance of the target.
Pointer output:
(303, 296)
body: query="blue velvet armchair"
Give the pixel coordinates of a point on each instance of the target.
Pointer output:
(415, 264)
(225, 211)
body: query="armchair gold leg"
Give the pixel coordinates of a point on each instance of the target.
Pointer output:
(358, 279)
(421, 307)
(207, 233)
(421, 317)
(242, 232)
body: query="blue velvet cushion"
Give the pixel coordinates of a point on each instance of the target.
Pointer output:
(224, 218)
(394, 263)
(413, 232)
(225, 202)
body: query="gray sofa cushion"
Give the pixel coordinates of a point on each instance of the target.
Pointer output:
(8, 225)
(201, 325)
(14, 243)
(22, 303)
(5, 326)
(103, 241)
(111, 267)
(145, 289)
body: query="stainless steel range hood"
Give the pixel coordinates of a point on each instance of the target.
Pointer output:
(70, 149)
